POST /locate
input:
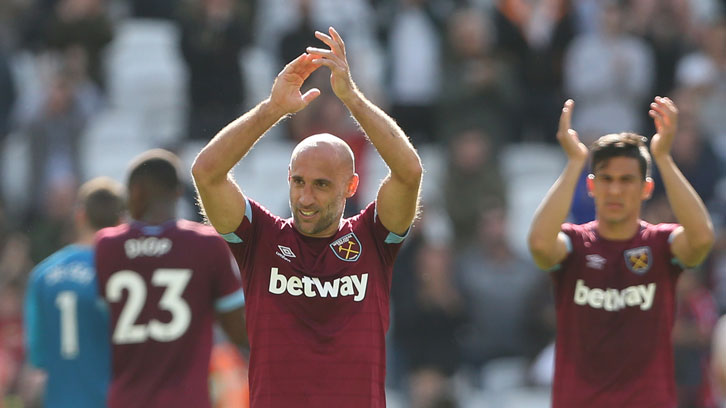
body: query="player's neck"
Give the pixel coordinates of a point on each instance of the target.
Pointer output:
(85, 238)
(618, 230)
(158, 213)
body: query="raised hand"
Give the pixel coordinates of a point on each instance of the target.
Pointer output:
(568, 138)
(665, 115)
(286, 92)
(335, 59)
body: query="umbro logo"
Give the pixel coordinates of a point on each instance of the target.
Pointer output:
(595, 261)
(285, 253)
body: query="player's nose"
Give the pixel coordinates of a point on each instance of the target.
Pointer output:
(306, 197)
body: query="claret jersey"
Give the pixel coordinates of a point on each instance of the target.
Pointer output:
(615, 304)
(163, 284)
(317, 309)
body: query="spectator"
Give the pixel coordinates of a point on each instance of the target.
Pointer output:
(430, 331)
(696, 316)
(213, 34)
(7, 100)
(705, 71)
(472, 183)
(81, 27)
(533, 35)
(496, 283)
(54, 130)
(413, 41)
(481, 89)
(609, 73)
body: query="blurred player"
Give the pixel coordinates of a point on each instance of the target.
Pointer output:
(317, 285)
(615, 277)
(164, 279)
(66, 321)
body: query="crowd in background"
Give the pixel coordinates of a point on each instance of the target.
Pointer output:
(477, 85)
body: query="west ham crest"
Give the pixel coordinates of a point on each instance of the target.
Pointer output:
(347, 248)
(638, 259)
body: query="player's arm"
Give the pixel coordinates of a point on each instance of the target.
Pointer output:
(221, 198)
(547, 244)
(33, 323)
(693, 240)
(398, 195)
(233, 324)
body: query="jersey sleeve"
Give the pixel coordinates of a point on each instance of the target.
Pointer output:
(243, 241)
(569, 233)
(388, 242)
(34, 322)
(227, 285)
(664, 232)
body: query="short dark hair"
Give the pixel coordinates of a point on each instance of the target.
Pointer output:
(102, 200)
(158, 167)
(624, 144)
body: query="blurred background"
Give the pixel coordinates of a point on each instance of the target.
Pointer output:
(478, 85)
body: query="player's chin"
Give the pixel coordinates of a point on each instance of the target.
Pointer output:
(304, 225)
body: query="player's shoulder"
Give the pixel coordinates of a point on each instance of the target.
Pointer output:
(198, 233)
(62, 256)
(112, 233)
(587, 229)
(195, 228)
(655, 231)
(368, 213)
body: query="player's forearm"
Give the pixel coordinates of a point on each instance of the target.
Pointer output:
(233, 142)
(553, 210)
(687, 206)
(388, 138)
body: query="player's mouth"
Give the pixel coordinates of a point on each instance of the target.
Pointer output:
(613, 206)
(307, 214)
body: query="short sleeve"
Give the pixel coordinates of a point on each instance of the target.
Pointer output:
(388, 243)
(227, 285)
(243, 240)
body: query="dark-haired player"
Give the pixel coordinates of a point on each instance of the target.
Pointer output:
(615, 277)
(317, 285)
(65, 319)
(164, 280)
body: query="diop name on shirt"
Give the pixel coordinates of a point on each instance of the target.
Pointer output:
(351, 285)
(613, 300)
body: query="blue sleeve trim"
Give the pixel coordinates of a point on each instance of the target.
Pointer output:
(568, 245)
(230, 302)
(248, 210)
(393, 238)
(674, 260)
(678, 263)
(232, 238)
(554, 268)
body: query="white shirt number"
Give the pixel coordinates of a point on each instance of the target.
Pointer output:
(127, 330)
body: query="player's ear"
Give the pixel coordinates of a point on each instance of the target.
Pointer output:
(352, 185)
(590, 184)
(648, 188)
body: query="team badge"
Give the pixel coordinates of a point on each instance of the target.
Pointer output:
(638, 259)
(347, 248)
